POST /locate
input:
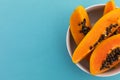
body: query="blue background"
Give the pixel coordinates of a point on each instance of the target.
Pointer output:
(32, 40)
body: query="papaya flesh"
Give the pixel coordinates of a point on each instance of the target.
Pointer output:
(106, 55)
(109, 6)
(79, 24)
(102, 29)
(78, 36)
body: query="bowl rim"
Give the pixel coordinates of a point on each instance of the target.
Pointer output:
(69, 50)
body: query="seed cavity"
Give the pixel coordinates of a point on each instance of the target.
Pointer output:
(85, 29)
(115, 25)
(91, 47)
(95, 44)
(113, 56)
(115, 33)
(108, 30)
(103, 36)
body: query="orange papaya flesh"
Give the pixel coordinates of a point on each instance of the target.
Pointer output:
(109, 6)
(106, 55)
(79, 24)
(102, 29)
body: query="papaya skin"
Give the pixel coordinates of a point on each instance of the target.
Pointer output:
(83, 49)
(101, 52)
(109, 7)
(76, 18)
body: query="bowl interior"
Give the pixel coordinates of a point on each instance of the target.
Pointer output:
(95, 12)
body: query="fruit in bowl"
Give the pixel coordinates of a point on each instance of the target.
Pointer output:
(93, 39)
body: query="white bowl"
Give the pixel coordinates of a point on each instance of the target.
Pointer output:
(94, 12)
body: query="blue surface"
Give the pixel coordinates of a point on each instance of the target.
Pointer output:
(32, 40)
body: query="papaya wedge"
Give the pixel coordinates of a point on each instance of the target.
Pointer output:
(79, 24)
(109, 6)
(106, 55)
(102, 29)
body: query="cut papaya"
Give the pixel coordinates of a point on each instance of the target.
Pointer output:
(102, 29)
(109, 6)
(79, 24)
(106, 55)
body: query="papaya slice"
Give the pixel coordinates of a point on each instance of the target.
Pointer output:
(106, 55)
(109, 6)
(102, 29)
(79, 24)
